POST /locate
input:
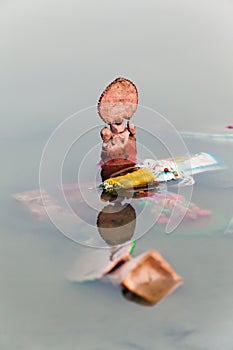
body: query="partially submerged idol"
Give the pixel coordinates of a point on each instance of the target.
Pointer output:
(117, 103)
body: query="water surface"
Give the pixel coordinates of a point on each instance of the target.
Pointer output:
(57, 57)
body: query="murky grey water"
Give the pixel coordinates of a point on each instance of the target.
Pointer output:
(56, 58)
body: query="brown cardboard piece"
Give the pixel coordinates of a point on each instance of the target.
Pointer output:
(148, 276)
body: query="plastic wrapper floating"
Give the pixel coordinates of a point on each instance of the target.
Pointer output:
(138, 178)
(145, 279)
(154, 171)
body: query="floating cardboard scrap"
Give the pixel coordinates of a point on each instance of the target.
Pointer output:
(147, 276)
(145, 279)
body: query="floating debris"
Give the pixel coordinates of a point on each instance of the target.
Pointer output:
(33, 202)
(151, 171)
(207, 136)
(146, 278)
(229, 229)
(97, 263)
(40, 202)
(138, 178)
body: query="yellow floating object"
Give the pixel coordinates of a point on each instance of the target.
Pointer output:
(138, 178)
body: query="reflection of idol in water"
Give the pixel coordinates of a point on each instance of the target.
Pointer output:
(116, 223)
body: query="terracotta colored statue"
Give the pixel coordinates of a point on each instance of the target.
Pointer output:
(118, 102)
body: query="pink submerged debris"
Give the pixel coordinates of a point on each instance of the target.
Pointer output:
(37, 201)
